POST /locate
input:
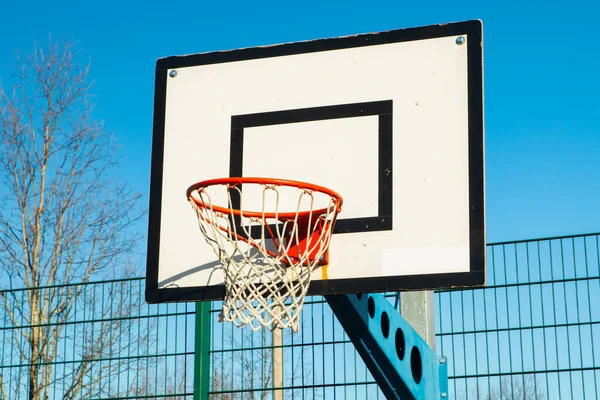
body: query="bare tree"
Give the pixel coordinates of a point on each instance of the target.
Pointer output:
(246, 372)
(63, 220)
(164, 386)
(520, 387)
(524, 387)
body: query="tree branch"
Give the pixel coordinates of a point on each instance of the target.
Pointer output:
(62, 218)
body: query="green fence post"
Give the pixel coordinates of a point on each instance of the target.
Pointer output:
(201, 351)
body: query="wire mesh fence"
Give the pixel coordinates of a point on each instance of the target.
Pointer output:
(532, 333)
(103, 342)
(318, 362)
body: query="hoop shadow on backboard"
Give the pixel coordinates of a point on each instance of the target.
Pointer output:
(217, 291)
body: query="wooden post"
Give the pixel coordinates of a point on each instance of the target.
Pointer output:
(277, 363)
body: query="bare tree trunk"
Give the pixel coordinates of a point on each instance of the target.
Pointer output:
(34, 345)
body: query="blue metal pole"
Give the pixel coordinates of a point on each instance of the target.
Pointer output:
(401, 362)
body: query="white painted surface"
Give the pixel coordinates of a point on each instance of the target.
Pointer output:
(427, 82)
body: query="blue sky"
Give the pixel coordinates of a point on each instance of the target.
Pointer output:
(541, 82)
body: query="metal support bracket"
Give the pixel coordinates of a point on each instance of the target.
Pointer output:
(401, 362)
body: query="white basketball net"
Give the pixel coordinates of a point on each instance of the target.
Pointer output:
(267, 260)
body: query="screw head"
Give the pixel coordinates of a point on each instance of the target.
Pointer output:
(443, 394)
(460, 40)
(173, 73)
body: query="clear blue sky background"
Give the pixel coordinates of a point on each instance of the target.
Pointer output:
(542, 85)
(542, 81)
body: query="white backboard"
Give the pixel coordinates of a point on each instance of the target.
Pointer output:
(392, 121)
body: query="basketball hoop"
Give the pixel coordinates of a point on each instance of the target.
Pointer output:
(267, 254)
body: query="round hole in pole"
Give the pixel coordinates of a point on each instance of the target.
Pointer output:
(400, 344)
(371, 307)
(385, 324)
(416, 365)
(359, 296)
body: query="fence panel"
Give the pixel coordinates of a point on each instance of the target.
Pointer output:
(103, 342)
(532, 333)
